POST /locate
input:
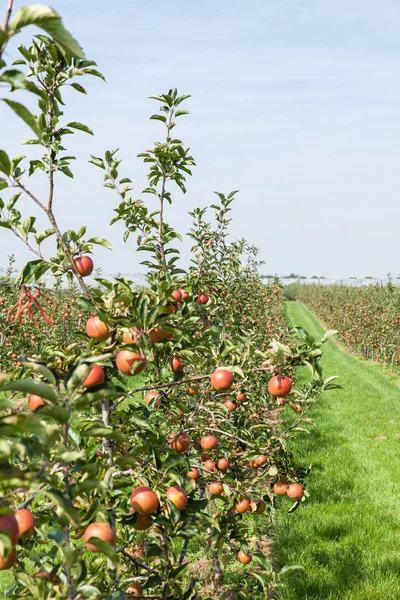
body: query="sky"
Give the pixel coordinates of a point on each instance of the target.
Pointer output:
(296, 103)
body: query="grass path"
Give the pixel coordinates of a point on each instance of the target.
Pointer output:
(347, 535)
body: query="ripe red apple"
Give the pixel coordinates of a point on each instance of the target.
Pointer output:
(35, 402)
(96, 329)
(185, 294)
(9, 526)
(144, 501)
(130, 336)
(26, 523)
(222, 380)
(96, 376)
(176, 296)
(209, 442)
(8, 563)
(179, 442)
(176, 364)
(243, 558)
(215, 488)
(102, 531)
(258, 506)
(280, 488)
(194, 473)
(223, 464)
(295, 491)
(130, 363)
(210, 465)
(134, 590)
(151, 396)
(84, 265)
(178, 496)
(202, 299)
(230, 405)
(261, 460)
(279, 386)
(240, 397)
(243, 505)
(158, 335)
(142, 523)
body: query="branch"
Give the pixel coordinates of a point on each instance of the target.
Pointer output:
(6, 22)
(32, 196)
(19, 236)
(299, 418)
(160, 386)
(230, 435)
(137, 562)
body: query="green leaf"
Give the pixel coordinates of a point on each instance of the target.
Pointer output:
(80, 126)
(100, 242)
(39, 237)
(181, 112)
(31, 386)
(58, 413)
(25, 115)
(85, 304)
(95, 73)
(32, 270)
(290, 569)
(158, 118)
(78, 88)
(50, 21)
(42, 369)
(77, 377)
(3, 184)
(5, 164)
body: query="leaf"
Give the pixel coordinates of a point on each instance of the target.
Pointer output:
(31, 386)
(67, 171)
(78, 88)
(39, 368)
(41, 236)
(77, 377)
(328, 335)
(31, 269)
(58, 413)
(80, 126)
(25, 115)
(100, 242)
(291, 569)
(5, 164)
(181, 112)
(50, 21)
(95, 73)
(85, 304)
(158, 118)
(3, 184)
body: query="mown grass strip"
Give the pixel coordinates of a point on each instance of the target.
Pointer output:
(347, 535)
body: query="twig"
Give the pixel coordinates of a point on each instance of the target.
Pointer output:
(235, 437)
(299, 418)
(160, 386)
(136, 561)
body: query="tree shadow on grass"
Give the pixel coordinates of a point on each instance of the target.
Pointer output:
(333, 575)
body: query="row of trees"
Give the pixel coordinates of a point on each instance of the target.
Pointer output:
(367, 317)
(151, 426)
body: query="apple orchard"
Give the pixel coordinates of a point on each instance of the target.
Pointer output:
(139, 424)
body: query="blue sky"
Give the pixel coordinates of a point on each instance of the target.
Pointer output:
(296, 103)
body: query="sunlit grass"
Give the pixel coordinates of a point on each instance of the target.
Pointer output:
(347, 534)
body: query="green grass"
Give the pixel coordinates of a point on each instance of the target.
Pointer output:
(347, 534)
